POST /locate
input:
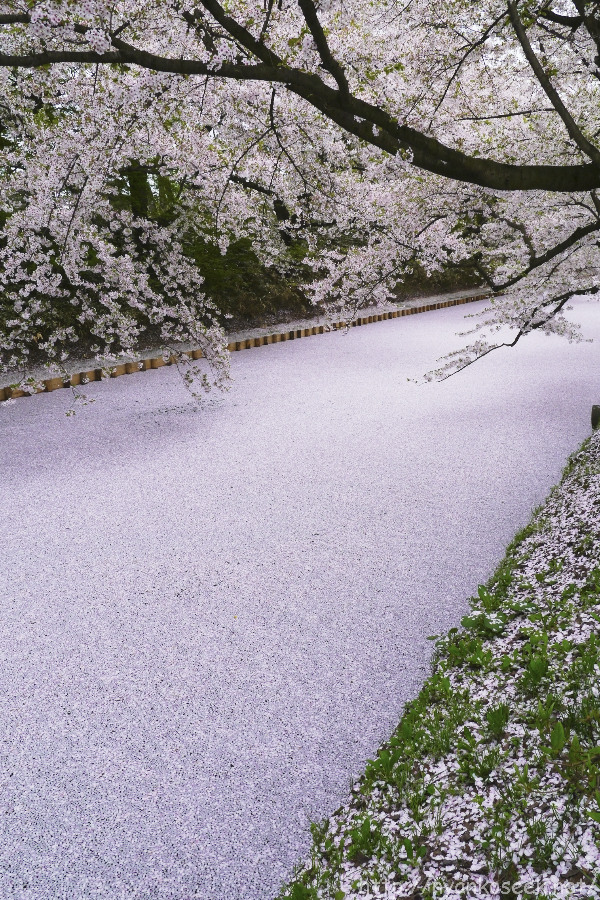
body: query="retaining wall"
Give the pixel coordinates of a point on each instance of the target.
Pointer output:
(155, 362)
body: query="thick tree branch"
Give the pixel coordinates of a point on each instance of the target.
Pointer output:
(196, 22)
(365, 121)
(316, 29)
(54, 57)
(573, 22)
(244, 37)
(569, 122)
(14, 18)
(251, 185)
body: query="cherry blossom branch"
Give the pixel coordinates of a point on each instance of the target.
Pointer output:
(590, 21)
(470, 49)
(236, 163)
(158, 100)
(573, 22)
(356, 116)
(329, 61)
(536, 261)
(266, 23)
(481, 351)
(508, 115)
(569, 122)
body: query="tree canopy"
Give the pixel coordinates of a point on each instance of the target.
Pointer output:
(359, 137)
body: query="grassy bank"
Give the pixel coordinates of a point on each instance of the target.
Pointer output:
(490, 786)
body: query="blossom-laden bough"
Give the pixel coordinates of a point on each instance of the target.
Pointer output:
(362, 138)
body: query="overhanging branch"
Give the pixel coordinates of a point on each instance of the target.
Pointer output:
(570, 124)
(365, 121)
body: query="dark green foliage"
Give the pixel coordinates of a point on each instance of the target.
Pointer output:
(497, 718)
(242, 288)
(364, 839)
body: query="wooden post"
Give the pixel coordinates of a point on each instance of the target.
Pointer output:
(53, 384)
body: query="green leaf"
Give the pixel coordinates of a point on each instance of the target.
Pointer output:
(300, 892)
(557, 738)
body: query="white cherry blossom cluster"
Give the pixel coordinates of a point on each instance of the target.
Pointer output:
(98, 40)
(249, 153)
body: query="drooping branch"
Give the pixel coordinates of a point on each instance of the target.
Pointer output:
(551, 306)
(535, 261)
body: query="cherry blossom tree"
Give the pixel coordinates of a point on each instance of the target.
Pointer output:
(369, 135)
